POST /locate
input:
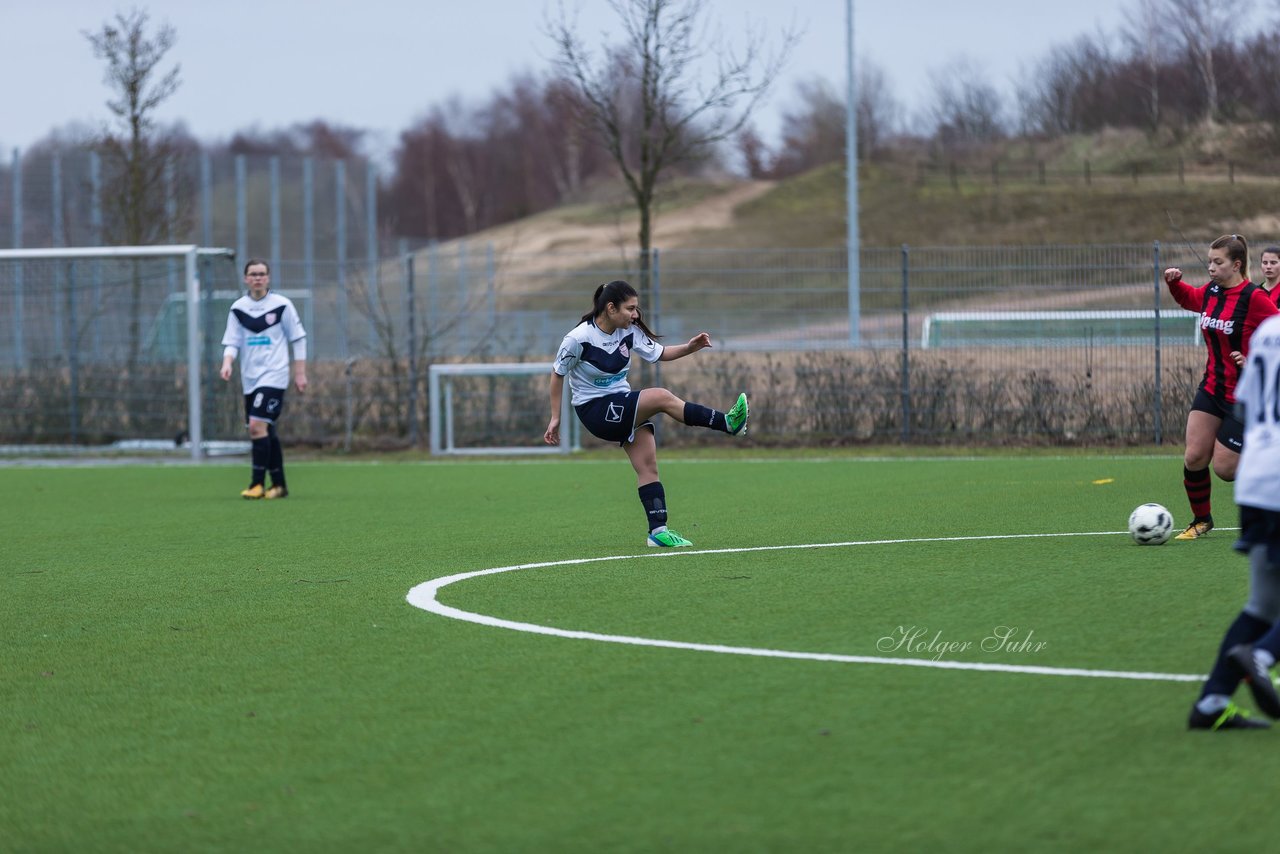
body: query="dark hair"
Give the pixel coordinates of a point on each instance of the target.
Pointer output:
(1274, 250)
(1237, 250)
(253, 262)
(616, 292)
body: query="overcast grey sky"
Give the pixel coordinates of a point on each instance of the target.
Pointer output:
(379, 64)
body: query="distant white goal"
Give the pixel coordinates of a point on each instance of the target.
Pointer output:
(496, 408)
(74, 356)
(1056, 328)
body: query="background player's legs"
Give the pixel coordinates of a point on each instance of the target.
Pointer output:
(261, 440)
(1202, 430)
(1225, 462)
(275, 463)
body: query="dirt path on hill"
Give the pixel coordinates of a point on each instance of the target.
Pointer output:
(548, 242)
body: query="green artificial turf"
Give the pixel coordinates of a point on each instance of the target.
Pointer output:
(185, 670)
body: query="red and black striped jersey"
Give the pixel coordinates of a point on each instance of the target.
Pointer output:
(1228, 317)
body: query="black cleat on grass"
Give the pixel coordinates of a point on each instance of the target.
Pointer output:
(1257, 677)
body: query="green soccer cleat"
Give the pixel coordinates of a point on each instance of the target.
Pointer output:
(1257, 677)
(1232, 717)
(667, 539)
(736, 417)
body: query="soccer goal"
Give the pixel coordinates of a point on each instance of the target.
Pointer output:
(496, 408)
(76, 370)
(1055, 328)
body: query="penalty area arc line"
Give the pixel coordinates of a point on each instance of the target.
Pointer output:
(425, 595)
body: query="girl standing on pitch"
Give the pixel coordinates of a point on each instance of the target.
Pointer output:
(595, 356)
(1230, 308)
(1271, 273)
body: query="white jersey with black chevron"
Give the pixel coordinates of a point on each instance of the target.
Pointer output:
(596, 363)
(260, 331)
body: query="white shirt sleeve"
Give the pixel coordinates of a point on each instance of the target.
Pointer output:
(234, 336)
(569, 354)
(649, 350)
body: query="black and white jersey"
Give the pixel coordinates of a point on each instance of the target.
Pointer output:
(596, 364)
(260, 332)
(1258, 476)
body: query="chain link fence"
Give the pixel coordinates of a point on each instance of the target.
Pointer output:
(989, 345)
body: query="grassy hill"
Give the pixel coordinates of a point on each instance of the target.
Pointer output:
(1110, 188)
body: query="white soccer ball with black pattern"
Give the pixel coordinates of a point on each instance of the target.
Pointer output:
(1150, 525)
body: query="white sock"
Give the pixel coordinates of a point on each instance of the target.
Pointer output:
(1211, 704)
(1264, 658)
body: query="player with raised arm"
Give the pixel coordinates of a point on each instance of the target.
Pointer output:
(261, 326)
(595, 356)
(1251, 645)
(1230, 308)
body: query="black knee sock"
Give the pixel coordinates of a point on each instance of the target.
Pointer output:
(275, 463)
(697, 415)
(1246, 629)
(654, 499)
(261, 457)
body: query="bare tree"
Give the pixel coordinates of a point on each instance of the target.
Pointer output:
(879, 111)
(138, 158)
(965, 107)
(1145, 29)
(649, 100)
(1201, 27)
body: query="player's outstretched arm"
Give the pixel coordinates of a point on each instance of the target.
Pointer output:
(678, 351)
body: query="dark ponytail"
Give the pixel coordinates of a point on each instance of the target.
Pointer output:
(616, 292)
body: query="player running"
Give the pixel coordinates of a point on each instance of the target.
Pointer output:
(1230, 307)
(595, 356)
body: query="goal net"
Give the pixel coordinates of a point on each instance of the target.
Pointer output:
(1056, 328)
(496, 408)
(115, 347)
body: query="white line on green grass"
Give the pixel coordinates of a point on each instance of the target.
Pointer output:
(424, 596)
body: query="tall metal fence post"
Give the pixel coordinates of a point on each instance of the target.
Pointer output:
(460, 320)
(655, 268)
(19, 348)
(242, 212)
(59, 241)
(1158, 402)
(413, 349)
(73, 357)
(277, 277)
(906, 345)
(340, 246)
(371, 235)
(171, 214)
(96, 237)
(206, 199)
(490, 275)
(308, 244)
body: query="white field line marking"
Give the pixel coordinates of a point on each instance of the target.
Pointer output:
(424, 596)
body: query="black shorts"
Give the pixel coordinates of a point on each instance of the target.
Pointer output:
(1259, 527)
(612, 417)
(1231, 431)
(264, 404)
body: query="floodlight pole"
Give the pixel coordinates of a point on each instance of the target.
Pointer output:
(851, 184)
